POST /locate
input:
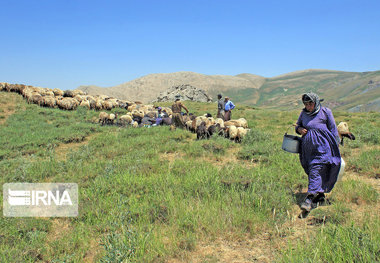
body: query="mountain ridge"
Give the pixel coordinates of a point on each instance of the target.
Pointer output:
(352, 91)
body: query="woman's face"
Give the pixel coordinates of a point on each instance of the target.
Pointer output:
(309, 106)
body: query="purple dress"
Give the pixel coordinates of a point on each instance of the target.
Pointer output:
(320, 156)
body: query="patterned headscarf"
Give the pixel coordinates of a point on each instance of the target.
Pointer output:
(310, 96)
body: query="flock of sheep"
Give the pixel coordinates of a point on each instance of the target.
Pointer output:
(66, 100)
(205, 126)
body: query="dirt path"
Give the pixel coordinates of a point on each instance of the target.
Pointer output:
(8, 105)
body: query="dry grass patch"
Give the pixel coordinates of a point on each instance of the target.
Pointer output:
(8, 105)
(63, 149)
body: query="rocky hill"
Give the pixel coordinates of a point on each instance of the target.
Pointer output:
(186, 92)
(351, 91)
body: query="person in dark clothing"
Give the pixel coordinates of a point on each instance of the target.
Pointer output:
(220, 113)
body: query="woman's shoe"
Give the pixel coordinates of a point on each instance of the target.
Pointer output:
(306, 205)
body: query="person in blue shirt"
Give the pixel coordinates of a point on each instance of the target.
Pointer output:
(228, 106)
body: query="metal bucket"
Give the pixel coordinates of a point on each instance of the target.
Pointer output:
(291, 143)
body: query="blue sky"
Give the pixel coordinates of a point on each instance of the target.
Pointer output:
(67, 43)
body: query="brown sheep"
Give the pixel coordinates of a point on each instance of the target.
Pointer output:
(36, 98)
(103, 117)
(344, 132)
(107, 105)
(99, 104)
(2, 86)
(202, 132)
(49, 101)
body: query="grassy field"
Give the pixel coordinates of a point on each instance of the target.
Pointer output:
(155, 195)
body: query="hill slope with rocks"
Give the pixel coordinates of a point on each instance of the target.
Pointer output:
(186, 92)
(349, 91)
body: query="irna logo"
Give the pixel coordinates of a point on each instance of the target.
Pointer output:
(20, 197)
(40, 200)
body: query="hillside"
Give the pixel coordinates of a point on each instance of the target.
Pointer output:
(148, 87)
(352, 91)
(341, 90)
(156, 195)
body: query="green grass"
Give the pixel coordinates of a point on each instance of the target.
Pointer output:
(339, 243)
(150, 194)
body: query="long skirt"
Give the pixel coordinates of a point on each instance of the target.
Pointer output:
(322, 177)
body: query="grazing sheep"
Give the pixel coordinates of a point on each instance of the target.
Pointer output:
(78, 92)
(36, 98)
(344, 132)
(2, 86)
(85, 103)
(49, 101)
(202, 132)
(237, 123)
(232, 132)
(47, 93)
(79, 98)
(107, 105)
(241, 133)
(58, 92)
(135, 124)
(220, 122)
(103, 117)
(67, 103)
(215, 128)
(68, 93)
(125, 119)
(131, 107)
(138, 114)
(99, 104)
(92, 103)
(18, 88)
(189, 126)
(111, 118)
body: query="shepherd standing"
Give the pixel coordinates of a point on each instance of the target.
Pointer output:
(220, 113)
(177, 116)
(228, 106)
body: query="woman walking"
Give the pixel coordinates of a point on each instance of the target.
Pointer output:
(319, 156)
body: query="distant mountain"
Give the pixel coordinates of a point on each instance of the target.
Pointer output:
(349, 91)
(352, 91)
(148, 87)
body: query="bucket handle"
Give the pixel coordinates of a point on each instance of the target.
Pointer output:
(293, 125)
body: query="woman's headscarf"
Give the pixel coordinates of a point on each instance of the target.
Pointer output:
(310, 96)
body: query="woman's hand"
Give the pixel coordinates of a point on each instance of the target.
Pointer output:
(302, 131)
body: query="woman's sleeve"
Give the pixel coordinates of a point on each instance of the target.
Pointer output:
(331, 126)
(299, 123)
